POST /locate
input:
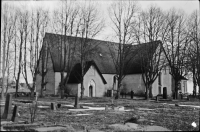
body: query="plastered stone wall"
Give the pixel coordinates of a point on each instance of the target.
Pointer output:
(109, 80)
(134, 82)
(49, 78)
(57, 81)
(72, 88)
(166, 81)
(99, 89)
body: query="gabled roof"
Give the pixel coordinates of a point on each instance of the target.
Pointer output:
(75, 76)
(102, 57)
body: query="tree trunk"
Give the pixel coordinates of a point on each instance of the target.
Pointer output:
(194, 86)
(32, 93)
(62, 85)
(20, 61)
(2, 89)
(147, 93)
(198, 83)
(41, 93)
(17, 86)
(150, 91)
(194, 89)
(7, 84)
(42, 87)
(118, 89)
(82, 77)
(82, 89)
(176, 89)
(4, 70)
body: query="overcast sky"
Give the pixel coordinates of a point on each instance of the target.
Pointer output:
(188, 6)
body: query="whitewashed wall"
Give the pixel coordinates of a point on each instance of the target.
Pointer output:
(99, 89)
(166, 81)
(57, 81)
(109, 80)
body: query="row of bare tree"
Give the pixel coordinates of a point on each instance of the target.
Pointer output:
(22, 36)
(23, 31)
(178, 50)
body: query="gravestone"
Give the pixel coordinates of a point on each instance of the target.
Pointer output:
(76, 105)
(106, 108)
(188, 98)
(176, 105)
(58, 105)
(8, 106)
(14, 116)
(165, 93)
(157, 98)
(53, 106)
(132, 93)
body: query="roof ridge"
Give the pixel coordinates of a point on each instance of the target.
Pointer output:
(80, 37)
(102, 40)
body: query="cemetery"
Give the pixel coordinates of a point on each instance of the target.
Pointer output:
(99, 114)
(103, 66)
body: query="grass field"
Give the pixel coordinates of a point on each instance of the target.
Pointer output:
(168, 116)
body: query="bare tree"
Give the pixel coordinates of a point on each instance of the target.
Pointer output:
(39, 22)
(122, 16)
(149, 29)
(44, 68)
(15, 55)
(175, 45)
(91, 25)
(194, 48)
(22, 32)
(5, 23)
(9, 72)
(9, 24)
(66, 22)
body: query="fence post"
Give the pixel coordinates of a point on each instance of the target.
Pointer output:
(53, 106)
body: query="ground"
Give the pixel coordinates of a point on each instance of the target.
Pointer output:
(151, 112)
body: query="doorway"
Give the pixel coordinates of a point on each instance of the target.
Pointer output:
(90, 91)
(91, 88)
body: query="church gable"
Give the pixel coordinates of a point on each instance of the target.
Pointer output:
(90, 69)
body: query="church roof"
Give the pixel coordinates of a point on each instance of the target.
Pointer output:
(101, 57)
